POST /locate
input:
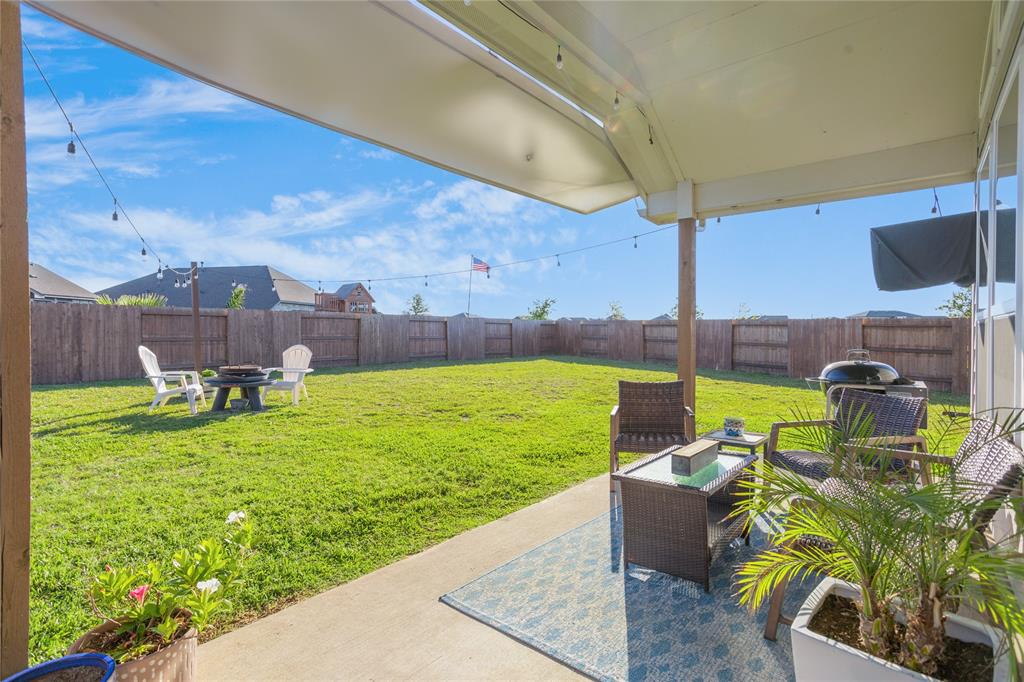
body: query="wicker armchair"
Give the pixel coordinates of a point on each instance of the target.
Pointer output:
(892, 416)
(650, 417)
(991, 464)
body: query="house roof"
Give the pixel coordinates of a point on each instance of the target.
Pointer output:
(44, 282)
(758, 104)
(346, 289)
(215, 286)
(884, 313)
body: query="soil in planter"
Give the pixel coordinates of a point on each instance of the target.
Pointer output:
(90, 673)
(961, 661)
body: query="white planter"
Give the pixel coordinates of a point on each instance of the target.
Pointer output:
(817, 658)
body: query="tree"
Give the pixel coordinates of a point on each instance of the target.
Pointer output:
(615, 309)
(417, 306)
(540, 309)
(149, 300)
(236, 301)
(743, 313)
(957, 305)
(673, 312)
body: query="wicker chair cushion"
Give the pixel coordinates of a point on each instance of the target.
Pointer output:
(804, 462)
(648, 442)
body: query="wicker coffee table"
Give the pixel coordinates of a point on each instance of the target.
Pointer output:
(679, 524)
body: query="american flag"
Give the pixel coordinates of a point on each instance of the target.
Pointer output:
(480, 266)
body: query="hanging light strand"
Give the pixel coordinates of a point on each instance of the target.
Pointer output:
(119, 211)
(535, 259)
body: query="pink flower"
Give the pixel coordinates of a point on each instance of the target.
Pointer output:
(107, 568)
(139, 593)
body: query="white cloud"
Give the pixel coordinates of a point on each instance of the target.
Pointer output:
(320, 235)
(378, 154)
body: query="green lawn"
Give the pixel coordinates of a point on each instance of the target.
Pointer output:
(381, 463)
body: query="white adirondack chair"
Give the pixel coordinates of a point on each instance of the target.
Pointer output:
(296, 367)
(170, 384)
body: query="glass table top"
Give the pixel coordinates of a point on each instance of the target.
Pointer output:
(659, 470)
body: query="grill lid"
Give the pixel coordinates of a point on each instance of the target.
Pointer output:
(858, 368)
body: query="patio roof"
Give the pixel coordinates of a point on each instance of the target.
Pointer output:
(757, 104)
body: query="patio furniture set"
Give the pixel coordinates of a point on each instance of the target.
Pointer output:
(252, 381)
(678, 524)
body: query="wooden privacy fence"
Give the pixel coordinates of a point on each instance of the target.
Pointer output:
(76, 343)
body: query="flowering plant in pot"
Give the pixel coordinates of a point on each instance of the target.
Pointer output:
(152, 616)
(908, 551)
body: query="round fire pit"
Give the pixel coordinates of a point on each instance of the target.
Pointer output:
(248, 379)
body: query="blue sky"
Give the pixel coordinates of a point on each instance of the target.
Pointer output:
(208, 176)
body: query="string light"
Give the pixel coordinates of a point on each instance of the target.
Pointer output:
(159, 272)
(936, 208)
(817, 210)
(650, 133)
(615, 104)
(718, 219)
(558, 261)
(177, 284)
(425, 282)
(72, 149)
(521, 261)
(558, 59)
(635, 245)
(143, 251)
(233, 283)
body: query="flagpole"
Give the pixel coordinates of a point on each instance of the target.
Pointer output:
(469, 300)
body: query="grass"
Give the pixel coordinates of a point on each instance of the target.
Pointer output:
(381, 463)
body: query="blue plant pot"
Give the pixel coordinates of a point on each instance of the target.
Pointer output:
(89, 660)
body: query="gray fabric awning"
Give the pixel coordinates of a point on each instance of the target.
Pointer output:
(927, 253)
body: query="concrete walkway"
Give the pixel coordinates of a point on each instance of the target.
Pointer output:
(390, 625)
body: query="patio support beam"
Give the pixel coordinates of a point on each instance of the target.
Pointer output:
(686, 332)
(15, 352)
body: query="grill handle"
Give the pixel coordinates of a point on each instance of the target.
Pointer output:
(858, 354)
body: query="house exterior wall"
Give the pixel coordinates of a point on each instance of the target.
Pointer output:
(303, 307)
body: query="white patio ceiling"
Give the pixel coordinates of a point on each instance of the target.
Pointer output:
(758, 104)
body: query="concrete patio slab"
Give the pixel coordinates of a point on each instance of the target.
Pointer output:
(389, 624)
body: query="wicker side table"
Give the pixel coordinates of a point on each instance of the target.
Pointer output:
(679, 524)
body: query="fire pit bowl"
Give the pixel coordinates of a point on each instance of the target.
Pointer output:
(241, 371)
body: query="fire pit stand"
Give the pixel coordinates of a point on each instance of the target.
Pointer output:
(248, 379)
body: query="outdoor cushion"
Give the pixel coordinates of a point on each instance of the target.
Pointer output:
(648, 442)
(804, 462)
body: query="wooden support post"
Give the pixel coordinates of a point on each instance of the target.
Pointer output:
(197, 328)
(686, 353)
(15, 353)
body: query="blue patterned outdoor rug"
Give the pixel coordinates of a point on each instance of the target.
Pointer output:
(573, 600)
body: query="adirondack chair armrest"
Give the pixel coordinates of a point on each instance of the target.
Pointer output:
(777, 427)
(304, 370)
(187, 373)
(885, 441)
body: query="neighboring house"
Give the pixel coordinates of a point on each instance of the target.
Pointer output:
(890, 314)
(49, 287)
(464, 315)
(663, 316)
(349, 298)
(265, 288)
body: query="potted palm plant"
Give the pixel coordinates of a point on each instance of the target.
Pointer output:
(899, 555)
(151, 617)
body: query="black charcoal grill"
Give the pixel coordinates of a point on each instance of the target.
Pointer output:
(859, 371)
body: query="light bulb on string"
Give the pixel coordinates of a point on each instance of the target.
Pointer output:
(233, 284)
(615, 104)
(488, 273)
(71, 148)
(425, 282)
(650, 133)
(113, 216)
(817, 210)
(177, 284)
(370, 283)
(144, 252)
(558, 59)
(160, 272)
(635, 245)
(558, 260)
(718, 219)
